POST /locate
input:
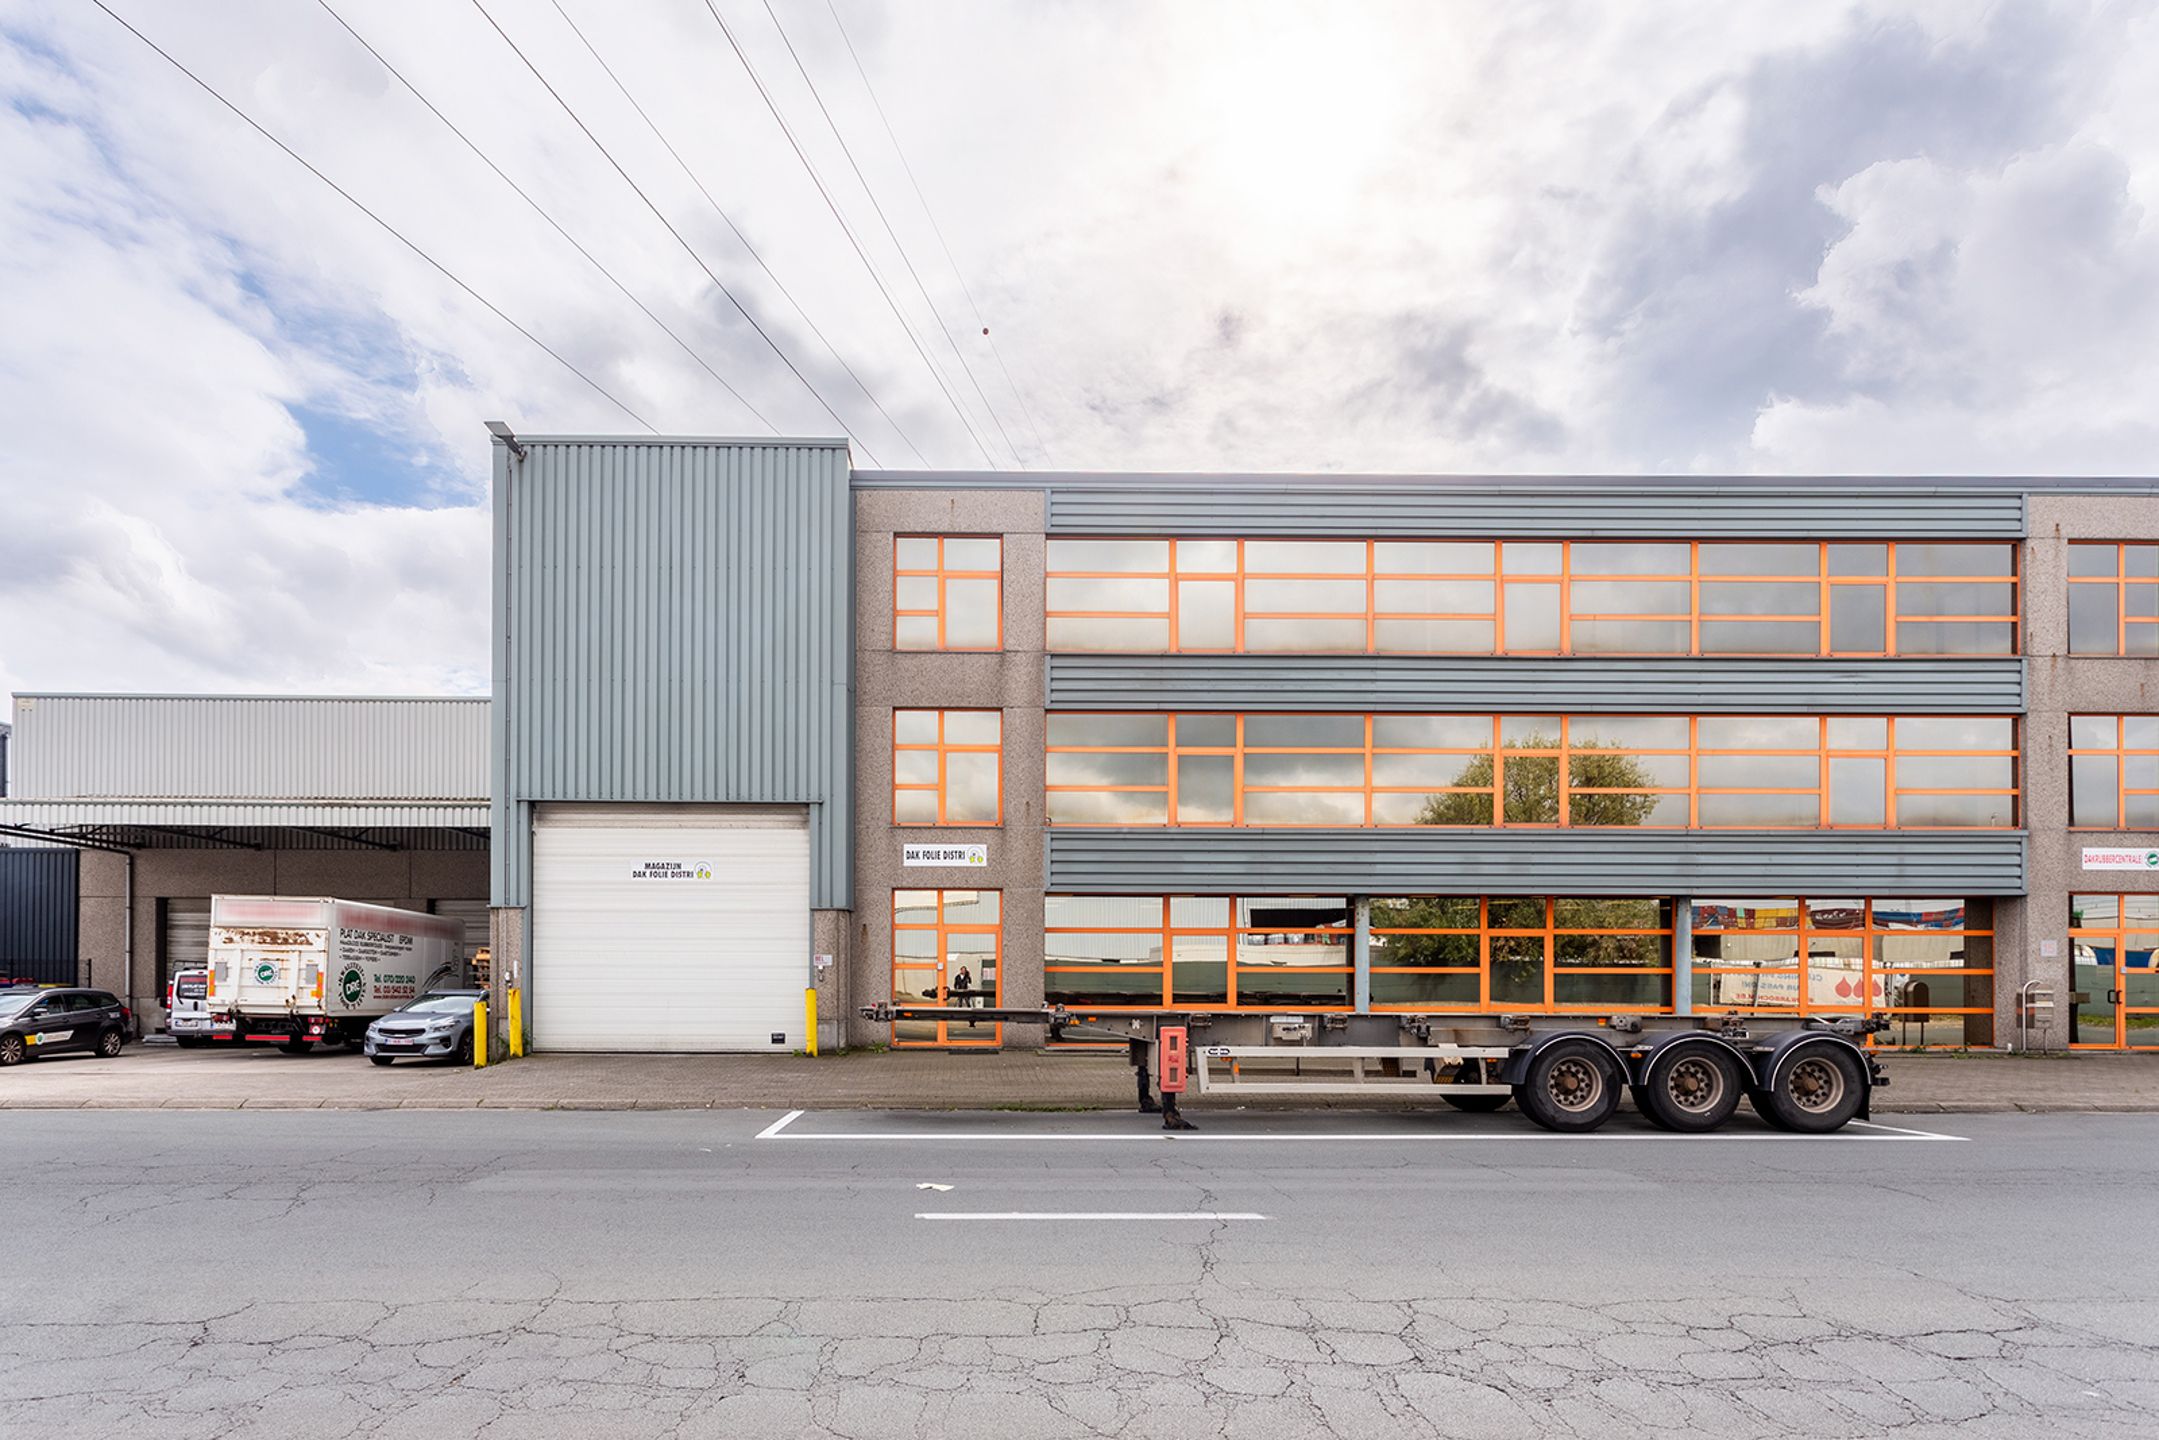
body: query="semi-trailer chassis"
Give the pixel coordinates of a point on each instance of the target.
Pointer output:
(1566, 1073)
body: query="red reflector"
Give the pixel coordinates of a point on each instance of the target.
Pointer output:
(1173, 1059)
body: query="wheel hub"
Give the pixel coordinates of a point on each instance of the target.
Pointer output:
(1573, 1085)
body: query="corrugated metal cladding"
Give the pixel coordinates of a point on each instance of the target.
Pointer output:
(38, 915)
(78, 747)
(1551, 862)
(1581, 685)
(674, 622)
(1265, 505)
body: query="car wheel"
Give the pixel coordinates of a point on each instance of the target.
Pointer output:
(1690, 1088)
(1572, 1087)
(12, 1050)
(1819, 1090)
(380, 1059)
(109, 1043)
(462, 1055)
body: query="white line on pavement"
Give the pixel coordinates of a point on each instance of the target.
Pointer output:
(1900, 1131)
(772, 1131)
(1892, 1134)
(1088, 1215)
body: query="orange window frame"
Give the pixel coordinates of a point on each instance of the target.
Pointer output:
(943, 748)
(2120, 581)
(1868, 968)
(1550, 932)
(1563, 578)
(950, 1033)
(2117, 937)
(2120, 752)
(1500, 751)
(1231, 934)
(944, 575)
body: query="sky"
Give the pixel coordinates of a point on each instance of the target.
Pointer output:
(241, 424)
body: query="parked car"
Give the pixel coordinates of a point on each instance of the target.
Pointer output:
(49, 1021)
(437, 1026)
(187, 1010)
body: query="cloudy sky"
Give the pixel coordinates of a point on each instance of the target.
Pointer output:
(242, 442)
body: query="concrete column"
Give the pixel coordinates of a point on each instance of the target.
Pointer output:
(1360, 947)
(1683, 954)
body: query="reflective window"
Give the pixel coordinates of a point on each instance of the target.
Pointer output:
(1197, 952)
(946, 945)
(947, 767)
(2113, 598)
(947, 592)
(2114, 772)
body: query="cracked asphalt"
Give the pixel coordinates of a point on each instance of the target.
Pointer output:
(534, 1274)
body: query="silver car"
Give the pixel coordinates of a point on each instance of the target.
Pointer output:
(437, 1026)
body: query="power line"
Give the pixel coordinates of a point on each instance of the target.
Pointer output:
(661, 216)
(848, 231)
(542, 213)
(659, 135)
(399, 236)
(937, 230)
(890, 233)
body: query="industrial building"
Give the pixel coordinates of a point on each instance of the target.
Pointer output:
(1319, 745)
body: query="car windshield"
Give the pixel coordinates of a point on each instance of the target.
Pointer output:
(443, 1002)
(14, 1002)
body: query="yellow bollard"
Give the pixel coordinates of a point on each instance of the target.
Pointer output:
(479, 1033)
(809, 1010)
(516, 999)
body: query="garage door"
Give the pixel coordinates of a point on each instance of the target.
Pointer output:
(669, 927)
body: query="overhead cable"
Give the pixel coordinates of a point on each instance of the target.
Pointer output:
(393, 231)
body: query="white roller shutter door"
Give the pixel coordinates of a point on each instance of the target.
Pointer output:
(669, 927)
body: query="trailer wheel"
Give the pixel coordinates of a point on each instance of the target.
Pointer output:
(1819, 1090)
(1689, 1088)
(296, 1046)
(1472, 1104)
(1572, 1087)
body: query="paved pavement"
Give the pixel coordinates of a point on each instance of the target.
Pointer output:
(164, 1076)
(531, 1274)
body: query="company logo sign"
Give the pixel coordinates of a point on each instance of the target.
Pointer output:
(670, 870)
(2099, 858)
(266, 973)
(966, 856)
(352, 985)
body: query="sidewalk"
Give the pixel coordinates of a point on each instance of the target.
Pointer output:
(151, 1077)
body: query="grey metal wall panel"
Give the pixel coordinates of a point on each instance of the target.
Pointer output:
(1580, 685)
(38, 910)
(1579, 862)
(159, 747)
(1482, 507)
(674, 622)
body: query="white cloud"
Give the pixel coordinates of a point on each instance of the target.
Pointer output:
(1851, 236)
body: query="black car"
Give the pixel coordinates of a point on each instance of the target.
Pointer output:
(36, 1022)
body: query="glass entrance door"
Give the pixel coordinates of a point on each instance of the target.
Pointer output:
(945, 949)
(2113, 978)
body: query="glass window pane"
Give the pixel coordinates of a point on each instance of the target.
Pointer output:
(1198, 910)
(1531, 619)
(1294, 912)
(1289, 637)
(970, 788)
(914, 727)
(1529, 732)
(1858, 792)
(1206, 557)
(1515, 912)
(914, 907)
(1063, 593)
(1083, 728)
(1530, 790)
(1432, 732)
(2140, 560)
(914, 767)
(914, 807)
(915, 632)
(1147, 556)
(1629, 597)
(1327, 597)
(1993, 558)
(1269, 769)
(1955, 772)
(1297, 731)
(1858, 619)
(1265, 985)
(1426, 912)
(1630, 637)
(1606, 770)
(1199, 970)
(1303, 557)
(1106, 986)
(972, 727)
(914, 552)
(1397, 772)
(1425, 988)
(1205, 789)
(1858, 732)
(1206, 615)
(1091, 633)
(2092, 620)
(1936, 637)
(1107, 807)
(1195, 731)
(1770, 811)
(1433, 597)
(2090, 559)
(1106, 912)
(2093, 732)
(1080, 947)
(1760, 559)
(1955, 810)
(1588, 558)
(1757, 732)
(1434, 637)
(1459, 807)
(2140, 602)
(1107, 767)
(1627, 808)
(1761, 597)
(1959, 732)
(1957, 599)
(1432, 557)
(970, 614)
(1303, 807)
(965, 553)
(1769, 772)
(1529, 558)
(1761, 637)
(2140, 732)
(1611, 914)
(1628, 732)
(915, 592)
(971, 907)
(1517, 969)
(1647, 992)
(1859, 559)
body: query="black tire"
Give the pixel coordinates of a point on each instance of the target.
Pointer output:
(110, 1043)
(12, 1050)
(1572, 1087)
(462, 1055)
(380, 1059)
(296, 1047)
(1690, 1088)
(1818, 1088)
(1471, 1104)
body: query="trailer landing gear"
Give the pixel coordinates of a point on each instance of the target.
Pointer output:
(1142, 1075)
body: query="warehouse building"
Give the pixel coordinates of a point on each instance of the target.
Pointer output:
(127, 813)
(1318, 745)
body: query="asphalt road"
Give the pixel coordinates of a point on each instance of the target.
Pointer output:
(536, 1274)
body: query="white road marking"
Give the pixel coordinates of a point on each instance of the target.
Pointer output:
(1088, 1215)
(1891, 1134)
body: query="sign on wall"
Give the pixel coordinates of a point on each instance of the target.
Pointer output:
(2098, 858)
(963, 855)
(670, 870)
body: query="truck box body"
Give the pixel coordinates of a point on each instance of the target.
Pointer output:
(322, 968)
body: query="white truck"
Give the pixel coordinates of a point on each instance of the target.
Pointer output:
(303, 971)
